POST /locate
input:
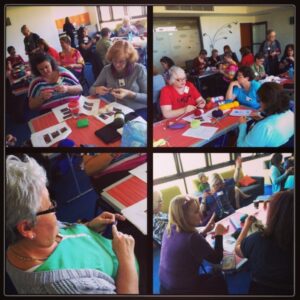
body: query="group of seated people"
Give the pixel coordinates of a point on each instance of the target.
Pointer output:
(56, 76)
(236, 81)
(178, 237)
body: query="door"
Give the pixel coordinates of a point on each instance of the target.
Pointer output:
(259, 31)
(246, 35)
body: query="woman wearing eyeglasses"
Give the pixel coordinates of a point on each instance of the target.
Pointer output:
(123, 78)
(45, 256)
(180, 96)
(184, 249)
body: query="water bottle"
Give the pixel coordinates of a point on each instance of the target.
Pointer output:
(130, 36)
(291, 72)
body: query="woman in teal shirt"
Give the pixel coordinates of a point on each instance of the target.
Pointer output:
(244, 89)
(277, 127)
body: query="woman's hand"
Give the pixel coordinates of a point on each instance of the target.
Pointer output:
(62, 88)
(99, 223)
(249, 221)
(102, 90)
(45, 95)
(189, 108)
(201, 102)
(210, 225)
(242, 120)
(122, 93)
(123, 245)
(220, 229)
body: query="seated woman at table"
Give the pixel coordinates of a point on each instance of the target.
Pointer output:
(270, 253)
(70, 58)
(227, 48)
(287, 61)
(166, 63)
(258, 66)
(214, 60)
(277, 127)
(200, 63)
(53, 85)
(45, 256)
(228, 69)
(123, 78)
(44, 47)
(13, 60)
(247, 57)
(180, 96)
(245, 88)
(181, 240)
(127, 28)
(278, 173)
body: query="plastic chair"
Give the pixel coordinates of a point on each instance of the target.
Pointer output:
(167, 195)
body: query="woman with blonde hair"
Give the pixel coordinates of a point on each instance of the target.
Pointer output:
(123, 78)
(184, 249)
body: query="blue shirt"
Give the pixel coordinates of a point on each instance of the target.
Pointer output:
(277, 179)
(248, 98)
(273, 131)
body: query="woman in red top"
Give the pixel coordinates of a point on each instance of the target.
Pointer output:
(247, 57)
(44, 47)
(13, 60)
(180, 96)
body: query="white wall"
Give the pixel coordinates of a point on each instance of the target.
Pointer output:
(280, 22)
(41, 20)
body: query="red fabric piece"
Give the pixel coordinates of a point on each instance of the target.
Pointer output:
(246, 181)
(247, 60)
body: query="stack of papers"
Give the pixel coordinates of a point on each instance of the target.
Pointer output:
(140, 172)
(202, 132)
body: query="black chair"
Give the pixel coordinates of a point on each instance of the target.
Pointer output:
(289, 143)
(9, 286)
(189, 66)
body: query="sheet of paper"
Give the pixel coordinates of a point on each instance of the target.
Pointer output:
(51, 135)
(140, 172)
(89, 107)
(137, 215)
(229, 243)
(202, 132)
(62, 112)
(240, 112)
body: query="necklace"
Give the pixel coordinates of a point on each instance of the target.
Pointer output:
(28, 258)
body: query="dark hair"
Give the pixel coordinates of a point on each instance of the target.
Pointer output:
(9, 48)
(67, 20)
(247, 72)
(245, 51)
(276, 159)
(259, 55)
(228, 54)
(23, 27)
(104, 31)
(37, 59)
(80, 32)
(280, 220)
(214, 51)
(203, 52)
(167, 60)
(274, 97)
(227, 47)
(287, 47)
(44, 43)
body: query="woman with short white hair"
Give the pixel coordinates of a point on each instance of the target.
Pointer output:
(45, 256)
(180, 96)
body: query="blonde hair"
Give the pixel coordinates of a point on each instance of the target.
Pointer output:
(215, 178)
(157, 197)
(177, 213)
(122, 47)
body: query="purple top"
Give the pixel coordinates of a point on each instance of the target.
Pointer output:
(181, 256)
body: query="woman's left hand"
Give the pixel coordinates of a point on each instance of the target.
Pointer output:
(242, 120)
(122, 93)
(201, 103)
(210, 225)
(99, 223)
(62, 88)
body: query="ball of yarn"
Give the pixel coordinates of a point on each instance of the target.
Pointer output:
(66, 143)
(197, 112)
(217, 113)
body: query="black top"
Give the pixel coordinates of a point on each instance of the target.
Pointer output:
(69, 29)
(269, 265)
(31, 42)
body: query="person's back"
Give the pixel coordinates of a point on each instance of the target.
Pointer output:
(271, 267)
(101, 48)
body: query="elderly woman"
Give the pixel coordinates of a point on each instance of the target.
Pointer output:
(123, 78)
(70, 58)
(184, 248)
(271, 49)
(271, 253)
(52, 85)
(277, 127)
(245, 88)
(127, 28)
(45, 256)
(181, 96)
(258, 66)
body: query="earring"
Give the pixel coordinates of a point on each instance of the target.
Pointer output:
(32, 237)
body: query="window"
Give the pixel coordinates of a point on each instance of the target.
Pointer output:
(105, 13)
(192, 161)
(179, 183)
(118, 12)
(218, 158)
(163, 165)
(135, 11)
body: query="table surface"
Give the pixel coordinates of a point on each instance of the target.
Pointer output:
(21, 89)
(80, 136)
(160, 131)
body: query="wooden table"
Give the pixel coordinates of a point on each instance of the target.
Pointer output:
(175, 138)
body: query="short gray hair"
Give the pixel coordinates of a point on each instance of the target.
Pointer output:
(25, 181)
(215, 178)
(173, 71)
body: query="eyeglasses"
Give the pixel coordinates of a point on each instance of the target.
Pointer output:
(48, 211)
(180, 79)
(119, 62)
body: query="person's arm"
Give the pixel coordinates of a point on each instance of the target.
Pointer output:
(276, 177)
(127, 277)
(249, 221)
(229, 94)
(94, 164)
(38, 100)
(100, 82)
(238, 169)
(69, 89)
(168, 112)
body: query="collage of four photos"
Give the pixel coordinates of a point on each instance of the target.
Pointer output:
(201, 199)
